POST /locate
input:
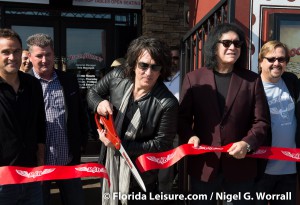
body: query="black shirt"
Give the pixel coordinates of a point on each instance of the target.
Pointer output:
(22, 122)
(222, 83)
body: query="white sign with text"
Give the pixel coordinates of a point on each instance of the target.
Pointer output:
(29, 1)
(121, 4)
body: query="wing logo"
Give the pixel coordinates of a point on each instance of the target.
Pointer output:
(260, 151)
(91, 169)
(162, 160)
(35, 173)
(291, 155)
(208, 148)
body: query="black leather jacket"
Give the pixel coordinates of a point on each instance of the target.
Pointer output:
(158, 112)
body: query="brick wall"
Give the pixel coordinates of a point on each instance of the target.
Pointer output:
(165, 19)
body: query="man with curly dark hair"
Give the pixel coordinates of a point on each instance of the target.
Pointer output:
(145, 112)
(220, 104)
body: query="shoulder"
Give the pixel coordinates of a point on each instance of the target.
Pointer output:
(66, 77)
(164, 95)
(247, 74)
(292, 83)
(117, 72)
(115, 77)
(198, 74)
(198, 71)
(289, 76)
(28, 79)
(64, 74)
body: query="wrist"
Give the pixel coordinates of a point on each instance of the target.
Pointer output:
(248, 147)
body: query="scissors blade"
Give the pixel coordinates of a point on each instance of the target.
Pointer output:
(133, 170)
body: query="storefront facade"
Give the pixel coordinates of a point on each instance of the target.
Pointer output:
(89, 34)
(87, 37)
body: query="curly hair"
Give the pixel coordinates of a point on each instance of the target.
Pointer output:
(41, 40)
(210, 47)
(158, 50)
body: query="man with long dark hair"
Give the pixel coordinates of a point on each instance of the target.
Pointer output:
(223, 103)
(145, 113)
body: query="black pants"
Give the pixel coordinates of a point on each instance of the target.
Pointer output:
(283, 185)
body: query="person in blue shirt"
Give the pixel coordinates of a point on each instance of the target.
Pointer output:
(282, 91)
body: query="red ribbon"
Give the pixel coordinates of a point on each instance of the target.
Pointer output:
(18, 175)
(166, 159)
(145, 162)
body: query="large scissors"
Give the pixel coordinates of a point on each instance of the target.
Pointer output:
(113, 137)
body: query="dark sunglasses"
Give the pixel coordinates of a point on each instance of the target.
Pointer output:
(227, 43)
(145, 66)
(273, 59)
(175, 57)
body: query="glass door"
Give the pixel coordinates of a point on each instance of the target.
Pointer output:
(85, 54)
(26, 31)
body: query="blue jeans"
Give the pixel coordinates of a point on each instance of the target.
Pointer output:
(21, 194)
(277, 184)
(71, 191)
(220, 190)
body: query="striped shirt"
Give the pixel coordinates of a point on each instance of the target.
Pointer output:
(57, 146)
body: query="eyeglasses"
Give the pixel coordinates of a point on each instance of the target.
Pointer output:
(227, 43)
(273, 59)
(175, 57)
(145, 66)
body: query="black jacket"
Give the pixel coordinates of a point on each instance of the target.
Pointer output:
(158, 115)
(76, 114)
(292, 83)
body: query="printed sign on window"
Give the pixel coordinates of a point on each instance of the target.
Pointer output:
(121, 4)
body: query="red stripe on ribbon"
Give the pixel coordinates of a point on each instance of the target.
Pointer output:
(166, 159)
(18, 175)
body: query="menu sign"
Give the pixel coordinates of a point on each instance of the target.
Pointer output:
(86, 76)
(87, 67)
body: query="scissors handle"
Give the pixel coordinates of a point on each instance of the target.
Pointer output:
(109, 126)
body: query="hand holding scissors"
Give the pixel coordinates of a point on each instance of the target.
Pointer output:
(114, 139)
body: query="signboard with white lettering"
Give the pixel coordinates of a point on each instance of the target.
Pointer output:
(121, 4)
(29, 1)
(88, 68)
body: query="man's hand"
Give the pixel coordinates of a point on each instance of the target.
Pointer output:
(238, 150)
(104, 108)
(103, 138)
(195, 141)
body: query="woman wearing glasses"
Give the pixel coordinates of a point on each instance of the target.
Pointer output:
(282, 91)
(220, 104)
(145, 112)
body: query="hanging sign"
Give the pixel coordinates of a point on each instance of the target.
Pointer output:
(29, 1)
(120, 4)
